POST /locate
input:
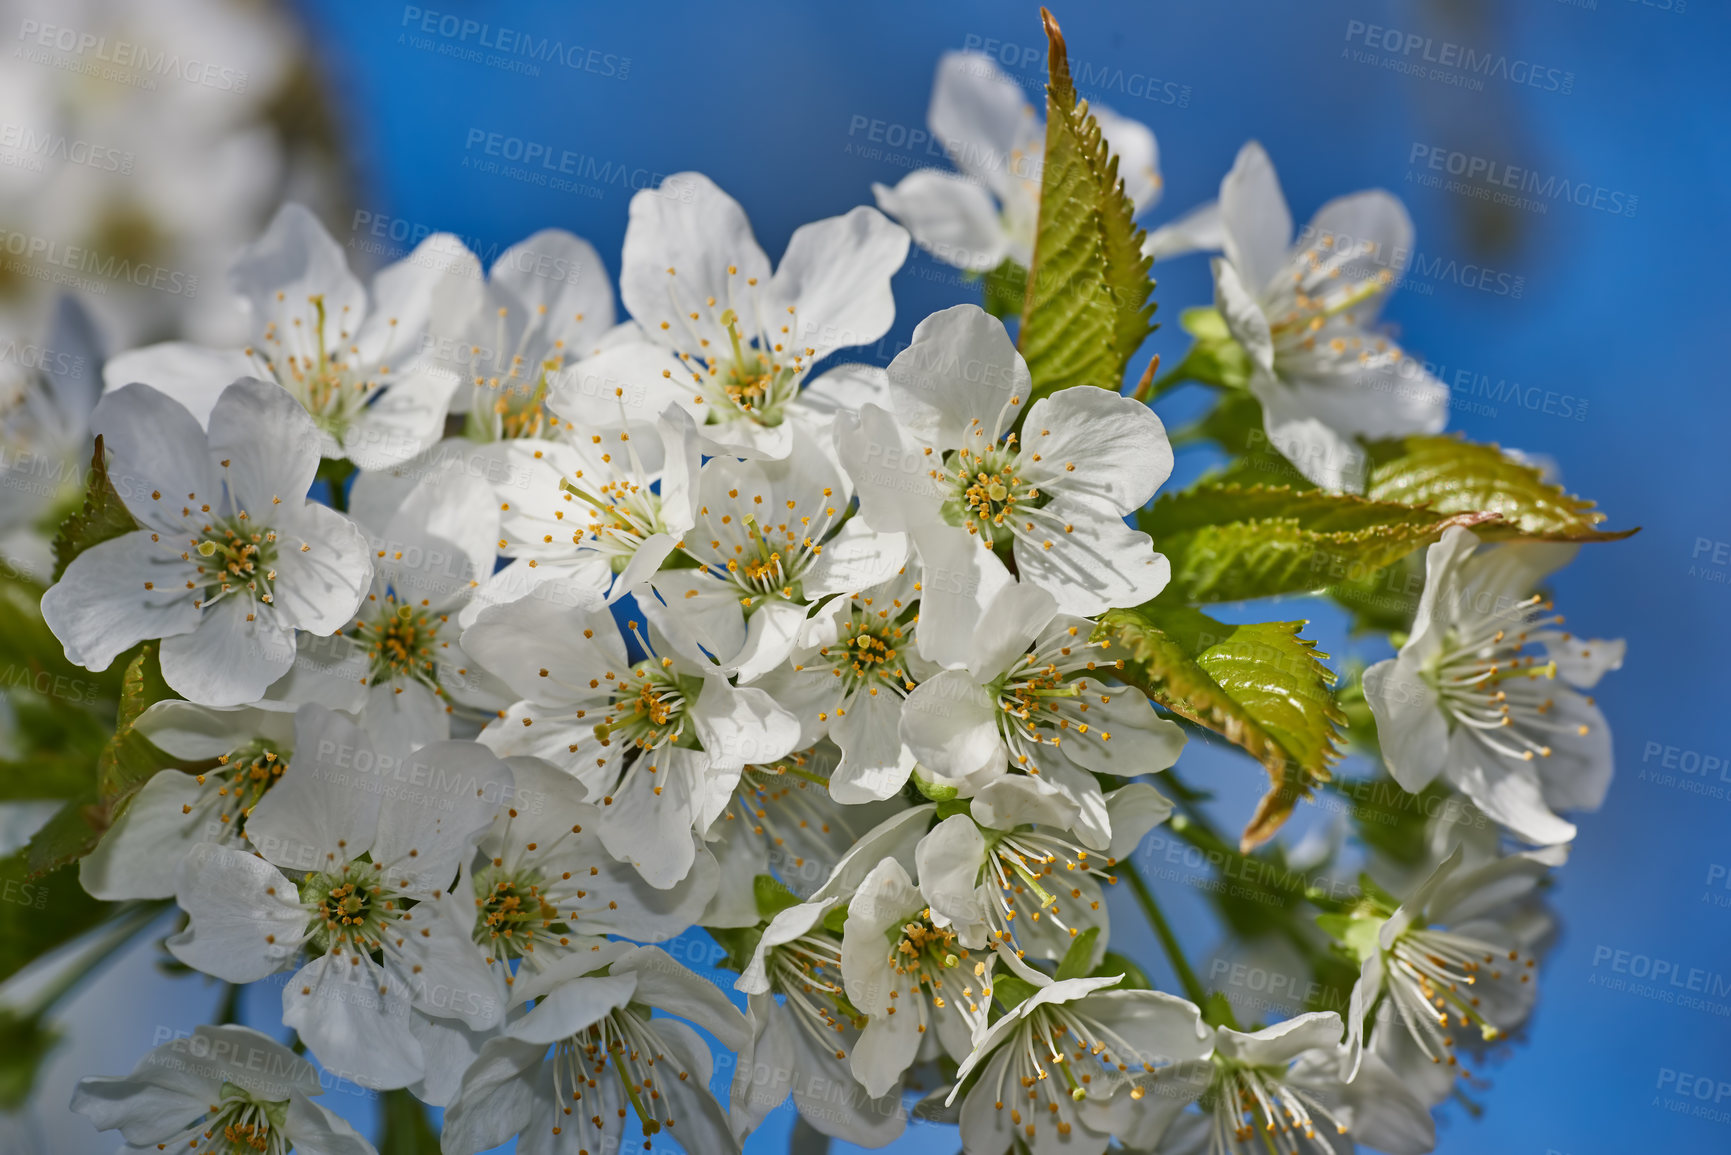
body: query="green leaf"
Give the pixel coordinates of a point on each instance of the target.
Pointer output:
(38, 914)
(1260, 686)
(1006, 290)
(1355, 930)
(1215, 358)
(1011, 991)
(1088, 307)
(126, 763)
(1228, 542)
(772, 895)
(1074, 964)
(102, 517)
(25, 1041)
(404, 1128)
(1451, 475)
(1217, 1011)
(1135, 978)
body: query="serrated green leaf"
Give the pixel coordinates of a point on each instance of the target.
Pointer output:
(1260, 686)
(1228, 542)
(772, 895)
(1451, 475)
(1088, 305)
(1074, 964)
(102, 517)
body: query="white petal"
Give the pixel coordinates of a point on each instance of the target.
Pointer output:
(191, 374)
(855, 560)
(355, 1019)
(1135, 810)
(1094, 562)
(195, 732)
(320, 588)
(980, 116)
(1410, 726)
(1577, 773)
(269, 442)
(1506, 789)
(442, 799)
(959, 577)
(321, 812)
(673, 989)
(160, 462)
(891, 472)
(960, 367)
(519, 639)
(1257, 223)
(950, 723)
(835, 275)
(949, 216)
(1243, 314)
(1375, 218)
(233, 655)
(950, 859)
(1021, 801)
(139, 855)
(407, 419)
(295, 260)
(741, 726)
(1326, 457)
(238, 904)
(1124, 735)
(679, 250)
(100, 607)
(1199, 230)
(1117, 445)
(874, 763)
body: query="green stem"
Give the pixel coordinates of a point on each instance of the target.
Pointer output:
(1163, 930)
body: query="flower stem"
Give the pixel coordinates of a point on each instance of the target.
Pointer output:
(1163, 930)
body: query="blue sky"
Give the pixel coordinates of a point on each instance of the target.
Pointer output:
(1608, 315)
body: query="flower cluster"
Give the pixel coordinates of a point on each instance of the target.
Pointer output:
(506, 641)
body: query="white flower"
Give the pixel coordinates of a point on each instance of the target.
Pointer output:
(1285, 1089)
(231, 558)
(593, 516)
(853, 662)
(356, 364)
(375, 844)
(988, 213)
(1069, 1057)
(397, 666)
(802, 1044)
(1027, 700)
(658, 745)
(724, 339)
(1447, 954)
(546, 887)
(770, 538)
(907, 975)
(1305, 314)
(944, 465)
(221, 1089)
(782, 820)
(563, 1076)
(1481, 693)
(545, 302)
(174, 811)
(1009, 872)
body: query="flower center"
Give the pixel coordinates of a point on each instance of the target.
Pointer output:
(989, 496)
(623, 1039)
(352, 908)
(1040, 699)
(330, 384)
(1488, 681)
(1255, 1110)
(246, 777)
(402, 642)
(623, 509)
(1433, 975)
(1022, 869)
(235, 557)
(807, 971)
(763, 557)
(512, 911)
(753, 381)
(648, 708)
(242, 1125)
